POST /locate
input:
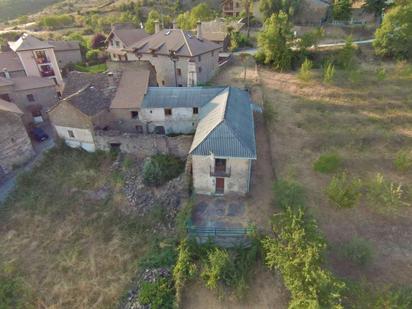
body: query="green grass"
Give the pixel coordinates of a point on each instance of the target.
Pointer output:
(343, 191)
(98, 68)
(327, 163)
(358, 251)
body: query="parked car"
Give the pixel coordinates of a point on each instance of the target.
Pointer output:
(39, 134)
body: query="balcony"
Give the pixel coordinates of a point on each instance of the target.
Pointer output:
(218, 171)
(47, 73)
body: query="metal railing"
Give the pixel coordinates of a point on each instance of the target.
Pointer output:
(216, 172)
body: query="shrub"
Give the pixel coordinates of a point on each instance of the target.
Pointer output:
(270, 114)
(160, 168)
(381, 74)
(383, 192)
(358, 251)
(98, 41)
(288, 193)
(327, 163)
(342, 9)
(305, 73)
(158, 294)
(346, 55)
(344, 192)
(403, 161)
(297, 252)
(183, 217)
(184, 268)
(217, 264)
(354, 76)
(92, 55)
(328, 72)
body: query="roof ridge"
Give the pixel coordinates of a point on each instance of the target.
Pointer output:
(187, 43)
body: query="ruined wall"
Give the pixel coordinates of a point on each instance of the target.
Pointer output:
(144, 145)
(15, 144)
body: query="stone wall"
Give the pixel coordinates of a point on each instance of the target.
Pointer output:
(143, 145)
(15, 144)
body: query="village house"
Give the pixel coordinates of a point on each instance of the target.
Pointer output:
(221, 119)
(15, 144)
(67, 52)
(218, 31)
(180, 58)
(122, 37)
(11, 65)
(232, 7)
(33, 95)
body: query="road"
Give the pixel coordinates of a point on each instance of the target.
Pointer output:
(253, 51)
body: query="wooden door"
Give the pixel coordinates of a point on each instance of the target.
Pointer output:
(220, 185)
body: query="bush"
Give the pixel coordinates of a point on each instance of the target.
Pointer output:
(13, 293)
(327, 163)
(297, 252)
(384, 193)
(328, 72)
(344, 192)
(183, 217)
(346, 55)
(158, 294)
(159, 169)
(358, 251)
(54, 22)
(270, 114)
(98, 41)
(403, 161)
(381, 74)
(288, 194)
(215, 269)
(342, 9)
(305, 73)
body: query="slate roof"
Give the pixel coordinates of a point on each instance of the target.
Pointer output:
(132, 88)
(65, 45)
(90, 93)
(31, 82)
(5, 82)
(28, 42)
(183, 43)
(217, 30)
(226, 128)
(127, 33)
(9, 107)
(173, 97)
(10, 61)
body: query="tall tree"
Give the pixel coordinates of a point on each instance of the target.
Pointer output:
(149, 25)
(342, 9)
(376, 7)
(269, 7)
(274, 42)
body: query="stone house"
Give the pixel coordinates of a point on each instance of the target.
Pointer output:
(180, 58)
(33, 95)
(232, 7)
(217, 31)
(11, 65)
(38, 58)
(121, 37)
(67, 52)
(15, 144)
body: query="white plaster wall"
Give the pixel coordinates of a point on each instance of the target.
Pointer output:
(203, 183)
(82, 138)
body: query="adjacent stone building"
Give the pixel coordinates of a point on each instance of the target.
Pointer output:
(218, 31)
(67, 52)
(232, 7)
(15, 144)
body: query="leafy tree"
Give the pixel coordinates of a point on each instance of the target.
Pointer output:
(54, 22)
(342, 9)
(274, 42)
(394, 37)
(346, 55)
(305, 73)
(98, 41)
(188, 20)
(149, 25)
(269, 7)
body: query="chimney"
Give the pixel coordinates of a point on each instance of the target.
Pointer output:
(199, 30)
(6, 73)
(157, 26)
(174, 24)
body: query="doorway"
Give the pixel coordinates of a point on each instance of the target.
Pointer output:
(220, 185)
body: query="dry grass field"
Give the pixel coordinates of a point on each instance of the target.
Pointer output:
(63, 241)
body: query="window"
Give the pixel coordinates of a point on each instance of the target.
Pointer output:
(117, 44)
(71, 133)
(195, 110)
(220, 165)
(237, 4)
(163, 83)
(5, 97)
(180, 85)
(139, 129)
(200, 69)
(134, 114)
(30, 97)
(199, 58)
(168, 112)
(179, 72)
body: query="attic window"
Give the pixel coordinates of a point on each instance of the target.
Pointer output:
(168, 112)
(195, 110)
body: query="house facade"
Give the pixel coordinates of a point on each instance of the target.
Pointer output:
(180, 58)
(232, 7)
(67, 52)
(15, 144)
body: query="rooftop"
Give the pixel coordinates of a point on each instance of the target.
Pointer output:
(9, 107)
(90, 93)
(181, 42)
(10, 61)
(128, 33)
(65, 45)
(132, 88)
(217, 30)
(28, 42)
(226, 128)
(31, 82)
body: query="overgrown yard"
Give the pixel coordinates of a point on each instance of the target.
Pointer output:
(349, 143)
(64, 243)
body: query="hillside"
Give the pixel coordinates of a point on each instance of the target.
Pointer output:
(10, 9)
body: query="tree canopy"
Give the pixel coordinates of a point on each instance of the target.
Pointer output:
(188, 20)
(342, 9)
(269, 7)
(394, 37)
